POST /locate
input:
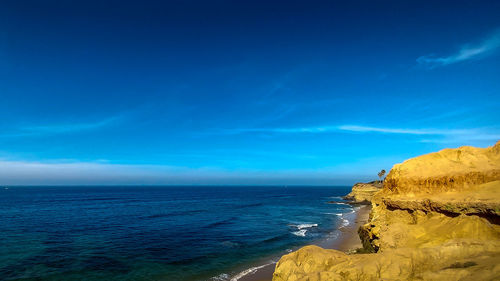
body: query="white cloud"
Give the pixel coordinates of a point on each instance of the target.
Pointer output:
(354, 128)
(61, 128)
(323, 129)
(475, 136)
(467, 52)
(70, 127)
(472, 136)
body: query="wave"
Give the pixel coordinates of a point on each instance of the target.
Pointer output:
(339, 203)
(333, 235)
(304, 225)
(88, 199)
(249, 205)
(307, 225)
(174, 213)
(279, 196)
(251, 270)
(155, 216)
(344, 223)
(230, 244)
(337, 214)
(221, 222)
(302, 228)
(220, 277)
(301, 233)
(275, 238)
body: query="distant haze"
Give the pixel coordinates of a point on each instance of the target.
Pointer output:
(18, 173)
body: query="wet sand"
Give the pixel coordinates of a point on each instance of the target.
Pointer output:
(348, 239)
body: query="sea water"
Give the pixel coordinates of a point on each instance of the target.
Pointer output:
(158, 232)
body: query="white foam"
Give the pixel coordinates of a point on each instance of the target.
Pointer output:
(251, 270)
(301, 233)
(351, 212)
(337, 214)
(306, 225)
(345, 223)
(220, 277)
(333, 235)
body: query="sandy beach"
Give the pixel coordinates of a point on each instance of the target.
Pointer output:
(348, 239)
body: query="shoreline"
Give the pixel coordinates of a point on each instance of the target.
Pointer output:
(347, 240)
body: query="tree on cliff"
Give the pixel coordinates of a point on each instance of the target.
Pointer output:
(381, 174)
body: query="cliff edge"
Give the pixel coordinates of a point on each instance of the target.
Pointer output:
(437, 217)
(447, 170)
(362, 193)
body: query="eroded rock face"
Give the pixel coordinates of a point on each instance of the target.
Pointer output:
(363, 192)
(436, 218)
(453, 260)
(408, 194)
(446, 170)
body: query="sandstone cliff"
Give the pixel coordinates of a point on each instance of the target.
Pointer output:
(446, 170)
(363, 192)
(436, 218)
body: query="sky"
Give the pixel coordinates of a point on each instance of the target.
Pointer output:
(241, 92)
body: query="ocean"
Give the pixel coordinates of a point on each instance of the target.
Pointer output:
(159, 232)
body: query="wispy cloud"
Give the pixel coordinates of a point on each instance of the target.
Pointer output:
(61, 128)
(462, 136)
(71, 127)
(467, 52)
(431, 134)
(354, 128)
(351, 128)
(324, 129)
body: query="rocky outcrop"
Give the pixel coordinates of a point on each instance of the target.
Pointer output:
(446, 170)
(436, 218)
(484, 200)
(455, 260)
(362, 193)
(417, 225)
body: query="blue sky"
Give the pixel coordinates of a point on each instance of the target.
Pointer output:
(241, 92)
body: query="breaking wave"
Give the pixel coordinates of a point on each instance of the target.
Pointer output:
(251, 270)
(302, 228)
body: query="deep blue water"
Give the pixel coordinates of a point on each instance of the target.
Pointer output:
(157, 233)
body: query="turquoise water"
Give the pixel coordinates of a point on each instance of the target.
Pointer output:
(157, 233)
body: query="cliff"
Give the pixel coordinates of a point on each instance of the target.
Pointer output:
(437, 217)
(446, 170)
(363, 192)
